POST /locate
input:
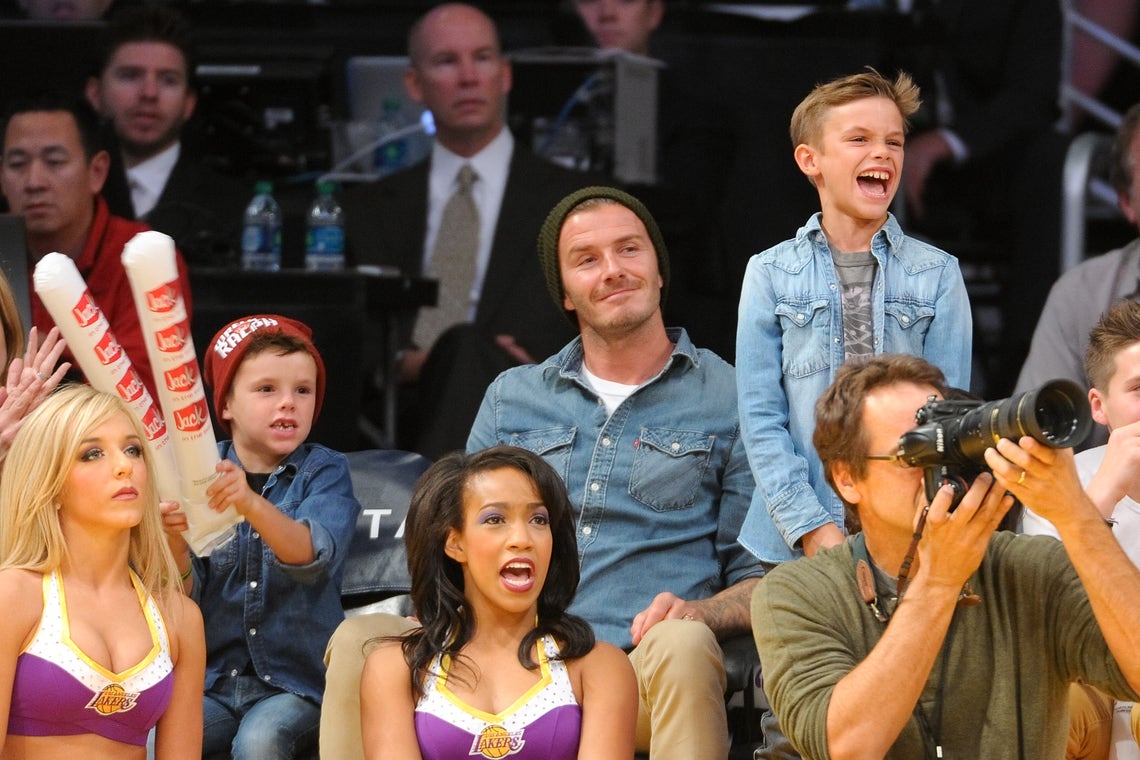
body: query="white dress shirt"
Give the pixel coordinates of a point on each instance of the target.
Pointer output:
(148, 179)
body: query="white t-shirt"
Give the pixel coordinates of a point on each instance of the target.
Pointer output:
(1126, 514)
(611, 393)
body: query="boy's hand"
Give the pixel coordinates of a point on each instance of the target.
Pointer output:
(174, 520)
(230, 487)
(1119, 473)
(174, 524)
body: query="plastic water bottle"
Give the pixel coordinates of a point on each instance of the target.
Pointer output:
(391, 156)
(324, 234)
(261, 233)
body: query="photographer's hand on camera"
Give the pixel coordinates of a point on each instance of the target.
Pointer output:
(1044, 479)
(954, 542)
(1119, 472)
(1052, 489)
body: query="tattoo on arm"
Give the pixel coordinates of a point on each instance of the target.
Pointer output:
(727, 613)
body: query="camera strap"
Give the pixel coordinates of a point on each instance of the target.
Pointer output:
(868, 590)
(865, 576)
(865, 579)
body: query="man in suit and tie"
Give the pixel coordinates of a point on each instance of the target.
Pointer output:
(493, 312)
(983, 159)
(145, 93)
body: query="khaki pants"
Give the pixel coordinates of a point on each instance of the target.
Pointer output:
(1090, 723)
(344, 657)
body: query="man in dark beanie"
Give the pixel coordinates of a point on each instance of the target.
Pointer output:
(642, 425)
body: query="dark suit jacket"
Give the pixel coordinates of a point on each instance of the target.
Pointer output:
(999, 61)
(199, 207)
(386, 222)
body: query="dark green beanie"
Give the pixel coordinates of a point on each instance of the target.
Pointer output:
(552, 229)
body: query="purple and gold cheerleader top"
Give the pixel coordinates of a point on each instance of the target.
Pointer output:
(543, 724)
(59, 691)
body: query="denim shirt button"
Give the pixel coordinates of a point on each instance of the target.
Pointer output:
(587, 530)
(267, 678)
(595, 487)
(800, 317)
(904, 319)
(252, 631)
(255, 535)
(253, 584)
(676, 446)
(233, 673)
(606, 441)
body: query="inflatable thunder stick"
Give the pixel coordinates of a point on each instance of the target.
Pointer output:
(152, 271)
(106, 365)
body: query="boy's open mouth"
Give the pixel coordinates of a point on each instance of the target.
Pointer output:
(874, 182)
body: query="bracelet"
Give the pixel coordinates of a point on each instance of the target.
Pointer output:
(186, 574)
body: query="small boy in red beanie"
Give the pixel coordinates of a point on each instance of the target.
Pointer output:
(270, 597)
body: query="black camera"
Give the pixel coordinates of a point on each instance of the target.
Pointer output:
(952, 435)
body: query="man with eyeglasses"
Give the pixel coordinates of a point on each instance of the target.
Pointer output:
(929, 633)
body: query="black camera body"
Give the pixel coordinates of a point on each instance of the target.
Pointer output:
(951, 437)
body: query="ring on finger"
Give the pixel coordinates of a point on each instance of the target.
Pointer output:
(42, 375)
(1021, 479)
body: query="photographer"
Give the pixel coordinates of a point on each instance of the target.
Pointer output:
(975, 658)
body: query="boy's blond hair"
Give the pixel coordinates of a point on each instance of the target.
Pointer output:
(807, 119)
(1117, 330)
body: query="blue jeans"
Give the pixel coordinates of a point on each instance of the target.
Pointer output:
(248, 719)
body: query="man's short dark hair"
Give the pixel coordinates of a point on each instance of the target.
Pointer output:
(151, 23)
(1118, 329)
(81, 111)
(839, 435)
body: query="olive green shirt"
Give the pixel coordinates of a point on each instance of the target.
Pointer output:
(1011, 657)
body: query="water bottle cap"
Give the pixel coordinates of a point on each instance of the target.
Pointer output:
(263, 187)
(326, 187)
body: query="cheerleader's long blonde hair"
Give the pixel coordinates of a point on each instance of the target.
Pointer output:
(42, 454)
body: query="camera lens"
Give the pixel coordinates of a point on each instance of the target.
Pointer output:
(1057, 417)
(1056, 414)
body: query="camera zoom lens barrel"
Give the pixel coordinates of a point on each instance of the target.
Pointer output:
(1057, 414)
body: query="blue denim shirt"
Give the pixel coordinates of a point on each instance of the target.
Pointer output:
(789, 345)
(277, 617)
(660, 487)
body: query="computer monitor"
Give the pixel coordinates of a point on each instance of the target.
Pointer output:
(378, 104)
(263, 107)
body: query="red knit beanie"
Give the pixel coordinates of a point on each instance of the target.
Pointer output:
(229, 346)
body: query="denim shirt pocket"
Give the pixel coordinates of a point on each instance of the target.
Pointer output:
(907, 323)
(668, 467)
(552, 444)
(806, 327)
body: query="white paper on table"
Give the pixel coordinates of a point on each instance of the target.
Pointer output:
(152, 270)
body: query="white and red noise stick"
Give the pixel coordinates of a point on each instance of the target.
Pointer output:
(106, 365)
(152, 271)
